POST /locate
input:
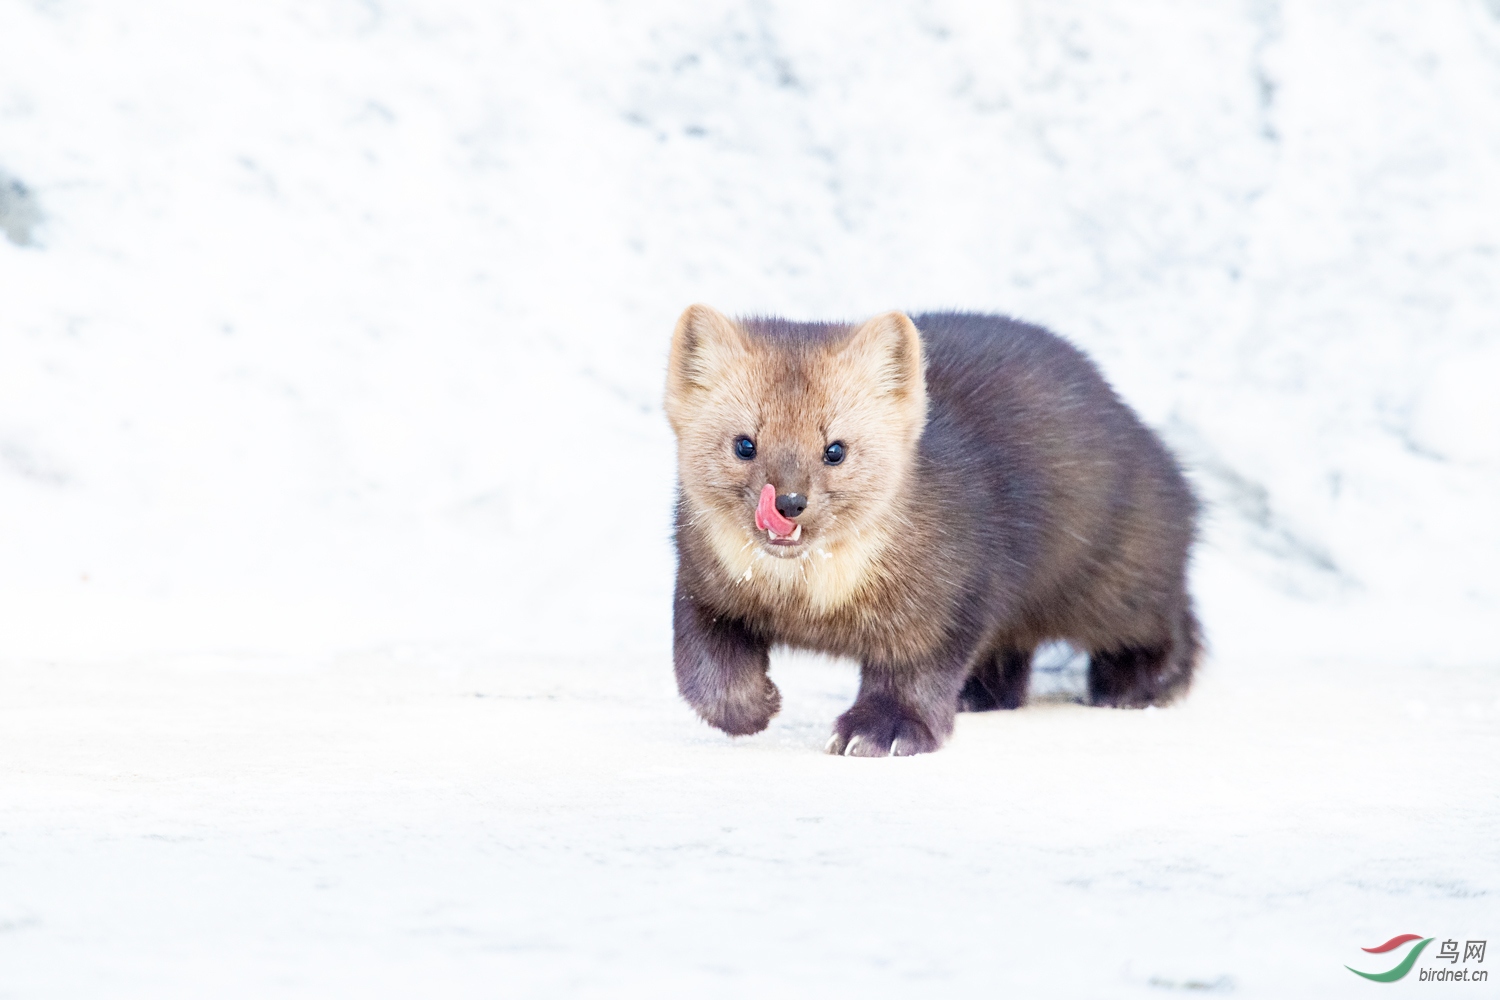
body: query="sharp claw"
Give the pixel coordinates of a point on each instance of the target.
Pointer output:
(861, 746)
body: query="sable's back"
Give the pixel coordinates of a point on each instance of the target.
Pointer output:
(1028, 422)
(1031, 387)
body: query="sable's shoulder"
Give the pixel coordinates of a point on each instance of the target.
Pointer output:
(974, 356)
(961, 337)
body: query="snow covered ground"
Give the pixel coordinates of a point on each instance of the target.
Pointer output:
(334, 491)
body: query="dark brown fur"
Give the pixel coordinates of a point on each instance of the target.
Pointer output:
(1012, 499)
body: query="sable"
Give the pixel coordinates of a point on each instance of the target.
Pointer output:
(934, 496)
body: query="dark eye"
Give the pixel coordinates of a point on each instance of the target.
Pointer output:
(744, 448)
(834, 453)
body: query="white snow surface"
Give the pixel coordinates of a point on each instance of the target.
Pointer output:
(335, 492)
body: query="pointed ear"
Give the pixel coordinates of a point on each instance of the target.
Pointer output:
(704, 345)
(888, 351)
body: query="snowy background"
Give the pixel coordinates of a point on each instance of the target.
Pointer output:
(335, 491)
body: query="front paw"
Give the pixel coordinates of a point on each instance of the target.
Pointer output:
(879, 728)
(744, 707)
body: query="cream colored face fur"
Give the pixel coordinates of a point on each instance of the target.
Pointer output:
(793, 398)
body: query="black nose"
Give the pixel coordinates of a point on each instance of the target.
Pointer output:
(790, 504)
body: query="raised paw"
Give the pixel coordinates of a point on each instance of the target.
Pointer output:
(743, 707)
(879, 728)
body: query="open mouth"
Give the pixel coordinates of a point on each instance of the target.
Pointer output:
(779, 530)
(794, 538)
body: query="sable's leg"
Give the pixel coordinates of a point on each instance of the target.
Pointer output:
(721, 669)
(999, 681)
(900, 711)
(1138, 676)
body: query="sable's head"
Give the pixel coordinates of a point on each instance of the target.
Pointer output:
(793, 440)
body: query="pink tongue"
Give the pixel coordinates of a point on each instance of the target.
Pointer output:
(767, 516)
